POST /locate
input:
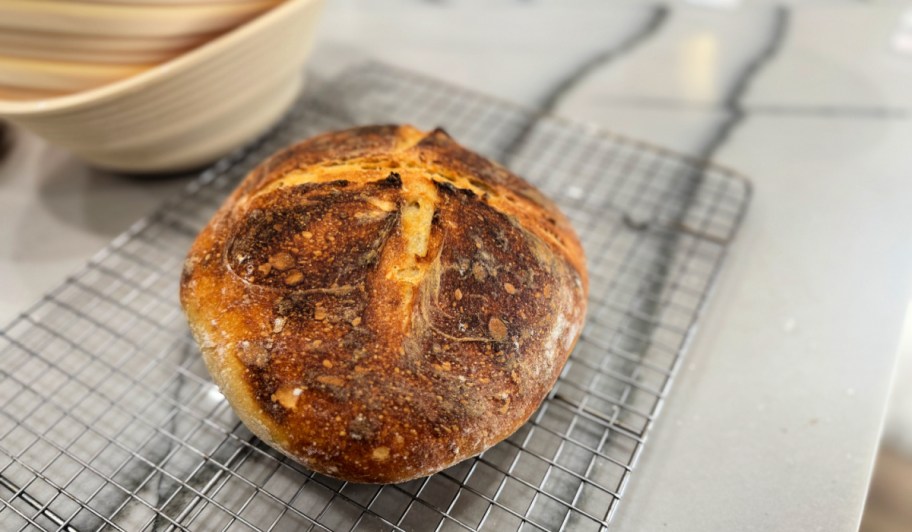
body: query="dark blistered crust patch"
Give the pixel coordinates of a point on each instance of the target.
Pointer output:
(487, 271)
(309, 237)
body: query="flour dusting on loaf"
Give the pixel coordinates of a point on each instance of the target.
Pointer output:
(381, 303)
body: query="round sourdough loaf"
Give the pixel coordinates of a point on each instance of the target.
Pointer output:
(382, 303)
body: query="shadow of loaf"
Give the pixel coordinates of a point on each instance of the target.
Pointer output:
(381, 303)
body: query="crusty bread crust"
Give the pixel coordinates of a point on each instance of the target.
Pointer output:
(381, 303)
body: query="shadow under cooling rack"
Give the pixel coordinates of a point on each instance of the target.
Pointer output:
(108, 419)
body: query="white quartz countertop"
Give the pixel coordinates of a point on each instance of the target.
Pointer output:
(774, 420)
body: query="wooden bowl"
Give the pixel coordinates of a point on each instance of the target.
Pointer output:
(124, 19)
(185, 112)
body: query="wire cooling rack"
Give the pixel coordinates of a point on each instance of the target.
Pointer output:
(109, 421)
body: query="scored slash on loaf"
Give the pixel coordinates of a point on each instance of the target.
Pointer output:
(381, 303)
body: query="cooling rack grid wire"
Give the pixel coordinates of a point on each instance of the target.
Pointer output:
(108, 420)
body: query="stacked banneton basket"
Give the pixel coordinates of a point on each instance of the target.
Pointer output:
(151, 85)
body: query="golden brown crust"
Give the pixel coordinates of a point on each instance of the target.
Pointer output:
(381, 303)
